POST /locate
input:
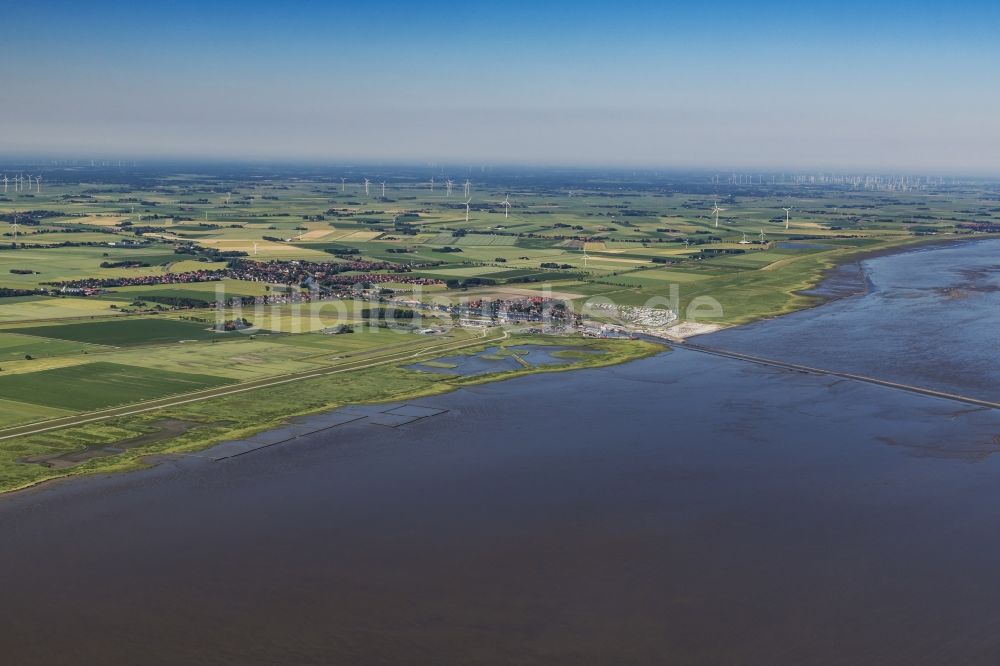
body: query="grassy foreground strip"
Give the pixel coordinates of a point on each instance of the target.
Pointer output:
(235, 412)
(195, 396)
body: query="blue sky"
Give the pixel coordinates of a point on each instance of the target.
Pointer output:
(717, 84)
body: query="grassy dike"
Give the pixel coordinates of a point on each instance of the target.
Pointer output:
(778, 289)
(242, 415)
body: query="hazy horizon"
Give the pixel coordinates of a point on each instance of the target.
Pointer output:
(845, 86)
(320, 167)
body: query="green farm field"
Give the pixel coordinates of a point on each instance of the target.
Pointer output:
(126, 331)
(16, 346)
(93, 301)
(96, 385)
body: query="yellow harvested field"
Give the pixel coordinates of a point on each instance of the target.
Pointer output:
(265, 249)
(100, 220)
(55, 308)
(38, 364)
(317, 234)
(361, 235)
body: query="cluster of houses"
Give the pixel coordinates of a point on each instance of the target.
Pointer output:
(491, 312)
(640, 318)
(308, 274)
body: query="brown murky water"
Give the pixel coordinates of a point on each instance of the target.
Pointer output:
(684, 509)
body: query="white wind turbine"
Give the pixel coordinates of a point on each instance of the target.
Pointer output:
(432, 183)
(787, 211)
(14, 227)
(255, 249)
(5, 183)
(506, 206)
(468, 187)
(716, 211)
(468, 201)
(763, 238)
(383, 189)
(449, 184)
(366, 186)
(343, 182)
(38, 184)
(585, 255)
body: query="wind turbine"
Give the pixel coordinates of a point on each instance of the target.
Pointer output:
(717, 210)
(38, 184)
(228, 195)
(342, 184)
(383, 189)
(467, 208)
(5, 183)
(432, 183)
(255, 248)
(506, 204)
(787, 211)
(585, 255)
(450, 184)
(763, 239)
(366, 186)
(468, 187)
(14, 227)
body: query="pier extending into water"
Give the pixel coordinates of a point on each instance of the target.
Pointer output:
(920, 390)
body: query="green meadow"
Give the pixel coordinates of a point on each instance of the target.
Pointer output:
(619, 237)
(98, 385)
(127, 331)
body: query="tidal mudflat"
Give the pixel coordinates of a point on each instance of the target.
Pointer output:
(684, 508)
